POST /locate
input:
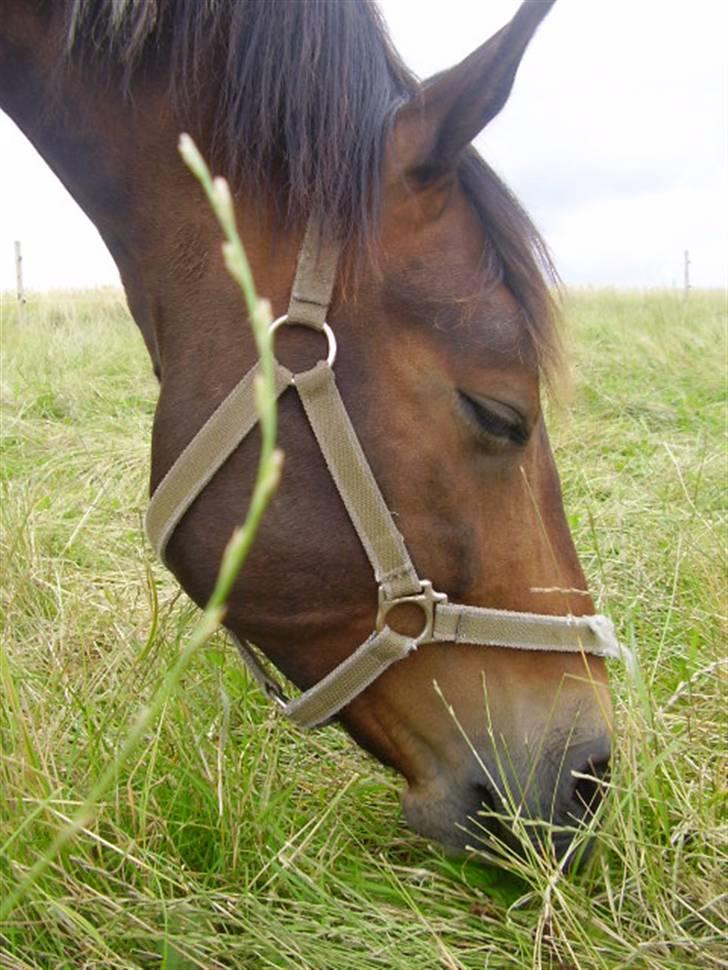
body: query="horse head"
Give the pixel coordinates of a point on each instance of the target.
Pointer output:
(446, 330)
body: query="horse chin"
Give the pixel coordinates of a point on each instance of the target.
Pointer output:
(456, 818)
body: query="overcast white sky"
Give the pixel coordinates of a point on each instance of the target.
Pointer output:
(615, 138)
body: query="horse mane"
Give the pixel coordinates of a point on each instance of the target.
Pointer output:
(307, 92)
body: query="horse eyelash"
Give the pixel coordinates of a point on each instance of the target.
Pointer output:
(494, 425)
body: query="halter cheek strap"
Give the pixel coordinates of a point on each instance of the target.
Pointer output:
(396, 576)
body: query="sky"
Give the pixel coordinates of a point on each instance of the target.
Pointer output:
(615, 138)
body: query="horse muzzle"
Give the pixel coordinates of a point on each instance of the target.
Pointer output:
(516, 805)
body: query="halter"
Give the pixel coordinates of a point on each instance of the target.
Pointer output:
(397, 578)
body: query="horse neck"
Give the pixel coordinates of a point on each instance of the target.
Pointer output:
(69, 119)
(118, 158)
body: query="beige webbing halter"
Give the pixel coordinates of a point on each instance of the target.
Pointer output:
(394, 572)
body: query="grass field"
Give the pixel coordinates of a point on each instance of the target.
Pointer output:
(231, 840)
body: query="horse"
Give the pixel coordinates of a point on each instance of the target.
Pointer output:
(441, 298)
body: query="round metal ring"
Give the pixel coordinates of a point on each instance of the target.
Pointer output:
(326, 329)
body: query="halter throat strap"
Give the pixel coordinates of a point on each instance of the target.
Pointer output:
(394, 572)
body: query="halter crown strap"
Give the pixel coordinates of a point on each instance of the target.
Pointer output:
(395, 574)
(313, 283)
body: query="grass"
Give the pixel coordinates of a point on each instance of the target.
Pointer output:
(231, 840)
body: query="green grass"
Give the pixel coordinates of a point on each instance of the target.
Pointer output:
(231, 840)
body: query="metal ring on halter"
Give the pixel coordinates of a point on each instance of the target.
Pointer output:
(326, 329)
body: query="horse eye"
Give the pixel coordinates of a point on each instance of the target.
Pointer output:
(495, 419)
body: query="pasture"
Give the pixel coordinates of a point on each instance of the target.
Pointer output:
(232, 840)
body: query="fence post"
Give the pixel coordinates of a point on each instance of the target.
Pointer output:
(686, 276)
(20, 292)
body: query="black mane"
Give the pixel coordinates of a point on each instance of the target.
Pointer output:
(306, 89)
(305, 96)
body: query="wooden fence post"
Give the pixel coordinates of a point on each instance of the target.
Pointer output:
(20, 292)
(686, 276)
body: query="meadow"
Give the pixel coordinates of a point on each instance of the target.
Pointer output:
(231, 840)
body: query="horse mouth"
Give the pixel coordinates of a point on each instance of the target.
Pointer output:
(489, 827)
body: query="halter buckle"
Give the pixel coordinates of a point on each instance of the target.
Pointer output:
(426, 599)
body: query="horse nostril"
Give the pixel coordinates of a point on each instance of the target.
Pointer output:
(589, 785)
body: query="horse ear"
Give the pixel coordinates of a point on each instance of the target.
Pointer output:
(435, 126)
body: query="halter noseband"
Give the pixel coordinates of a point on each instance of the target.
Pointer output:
(394, 572)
